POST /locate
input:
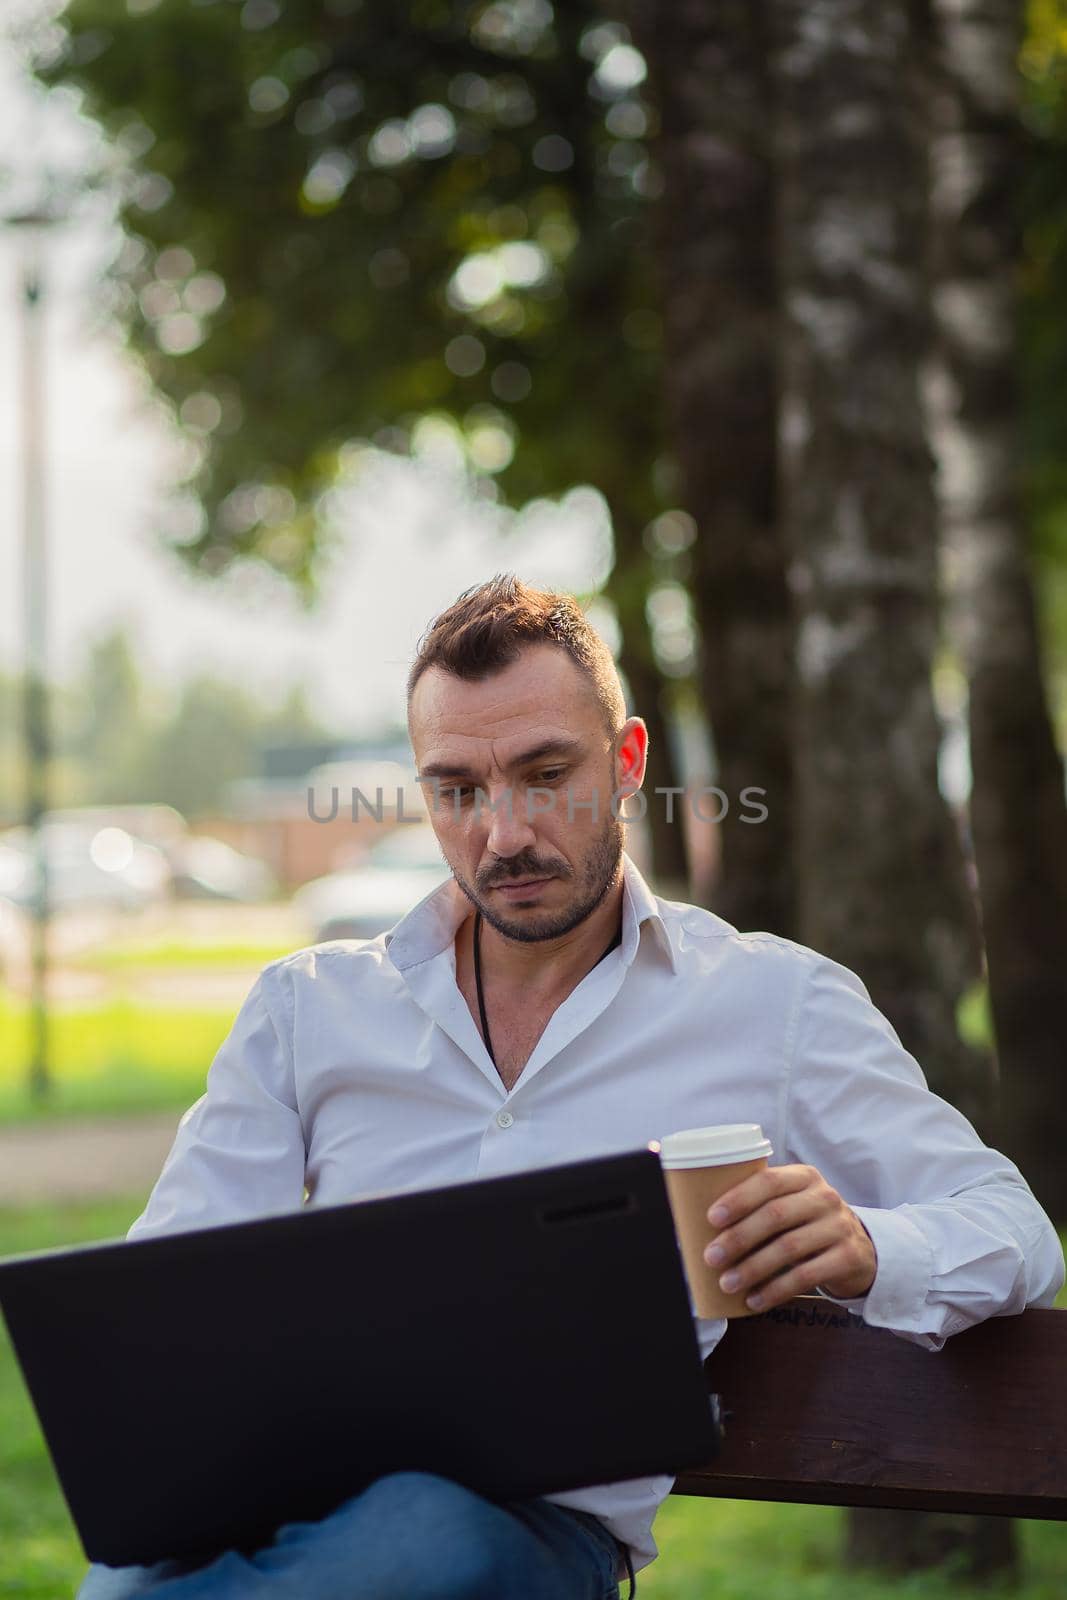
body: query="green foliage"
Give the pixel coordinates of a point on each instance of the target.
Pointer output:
(108, 729)
(345, 219)
(342, 218)
(974, 1018)
(115, 744)
(214, 728)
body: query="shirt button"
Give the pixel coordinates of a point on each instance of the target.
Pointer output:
(504, 1119)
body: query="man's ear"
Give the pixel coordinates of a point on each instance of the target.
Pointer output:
(631, 754)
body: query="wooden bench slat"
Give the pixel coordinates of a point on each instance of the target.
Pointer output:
(824, 1409)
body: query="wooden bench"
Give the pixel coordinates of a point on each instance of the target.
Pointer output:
(819, 1407)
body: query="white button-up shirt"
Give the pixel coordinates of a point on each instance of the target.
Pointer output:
(355, 1067)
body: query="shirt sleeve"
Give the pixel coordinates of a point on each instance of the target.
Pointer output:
(239, 1151)
(957, 1231)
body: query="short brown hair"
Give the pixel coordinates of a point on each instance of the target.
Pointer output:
(489, 625)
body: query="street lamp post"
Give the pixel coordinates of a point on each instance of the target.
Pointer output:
(32, 225)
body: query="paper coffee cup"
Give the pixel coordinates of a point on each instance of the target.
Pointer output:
(700, 1164)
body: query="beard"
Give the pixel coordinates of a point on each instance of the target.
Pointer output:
(596, 876)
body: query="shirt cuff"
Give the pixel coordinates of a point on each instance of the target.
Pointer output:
(901, 1277)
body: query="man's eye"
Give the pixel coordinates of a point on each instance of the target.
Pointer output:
(457, 793)
(551, 774)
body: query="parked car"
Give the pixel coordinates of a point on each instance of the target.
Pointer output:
(209, 869)
(16, 869)
(87, 866)
(367, 900)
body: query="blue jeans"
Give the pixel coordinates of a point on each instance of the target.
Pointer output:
(408, 1536)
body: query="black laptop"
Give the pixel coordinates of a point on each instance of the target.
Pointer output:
(520, 1335)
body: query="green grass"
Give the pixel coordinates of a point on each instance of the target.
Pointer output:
(124, 1054)
(709, 1549)
(204, 956)
(40, 1556)
(756, 1550)
(120, 1056)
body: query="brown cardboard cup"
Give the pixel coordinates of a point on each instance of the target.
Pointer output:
(700, 1164)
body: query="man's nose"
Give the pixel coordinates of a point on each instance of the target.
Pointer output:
(509, 829)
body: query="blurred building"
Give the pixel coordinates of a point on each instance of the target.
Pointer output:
(319, 809)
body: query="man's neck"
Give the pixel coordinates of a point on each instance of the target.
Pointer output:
(544, 965)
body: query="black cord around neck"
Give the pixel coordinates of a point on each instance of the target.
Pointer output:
(478, 976)
(478, 984)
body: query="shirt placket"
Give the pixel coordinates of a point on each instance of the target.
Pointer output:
(506, 1141)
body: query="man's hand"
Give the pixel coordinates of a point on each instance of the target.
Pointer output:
(786, 1230)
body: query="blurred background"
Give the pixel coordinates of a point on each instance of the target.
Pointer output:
(742, 322)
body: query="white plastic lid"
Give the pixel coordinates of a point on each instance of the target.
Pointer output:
(714, 1147)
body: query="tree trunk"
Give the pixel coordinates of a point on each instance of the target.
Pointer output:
(708, 78)
(1018, 811)
(627, 588)
(882, 885)
(977, 1548)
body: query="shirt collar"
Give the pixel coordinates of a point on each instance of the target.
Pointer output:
(430, 927)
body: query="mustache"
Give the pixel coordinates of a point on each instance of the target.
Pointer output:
(519, 871)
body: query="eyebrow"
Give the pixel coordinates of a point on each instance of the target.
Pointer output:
(537, 752)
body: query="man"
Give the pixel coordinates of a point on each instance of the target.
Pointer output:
(542, 1007)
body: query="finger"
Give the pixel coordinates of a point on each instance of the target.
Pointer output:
(783, 1254)
(800, 1279)
(783, 1212)
(755, 1191)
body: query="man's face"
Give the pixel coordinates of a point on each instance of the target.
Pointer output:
(518, 773)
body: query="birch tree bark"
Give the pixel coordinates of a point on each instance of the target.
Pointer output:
(880, 865)
(708, 77)
(627, 588)
(1018, 811)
